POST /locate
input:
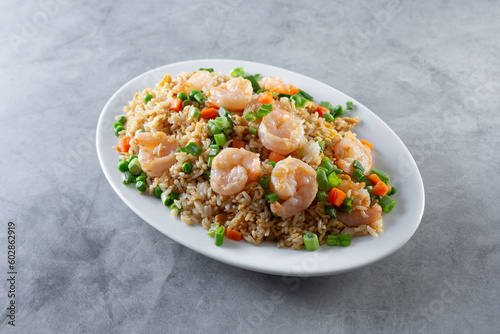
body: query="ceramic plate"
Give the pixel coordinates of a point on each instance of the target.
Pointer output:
(390, 155)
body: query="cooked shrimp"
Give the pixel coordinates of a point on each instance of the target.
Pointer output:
(280, 132)
(295, 182)
(233, 169)
(358, 215)
(276, 85)
(233, 94)
(199, 81)
(157, 152)
(349, 149)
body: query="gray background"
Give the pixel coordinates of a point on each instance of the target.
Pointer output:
(88, 264)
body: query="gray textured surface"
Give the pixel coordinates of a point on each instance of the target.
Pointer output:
(88, 264)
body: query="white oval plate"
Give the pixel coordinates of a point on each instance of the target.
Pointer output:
(390, 155)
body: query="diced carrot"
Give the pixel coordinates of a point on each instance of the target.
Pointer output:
(381, 189)
(209, 113)
(175, 105)
(124, 144)
(322, 110)
(276, 157)
(293, 90)
(367, 143)
(266, 97)
(374, 179)
(238, 143)
(233, 235)
(336, 197)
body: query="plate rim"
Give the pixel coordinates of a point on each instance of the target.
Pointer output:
(212, 254)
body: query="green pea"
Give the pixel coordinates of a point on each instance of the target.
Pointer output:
(141, 186)
(187, 167)
(118, 129)
(123, 166)
(141, 177)
(122, 119)
(158, 191)
(147, 98)
(338, 110)
(192, 95)
(117, 124)
(182, 96)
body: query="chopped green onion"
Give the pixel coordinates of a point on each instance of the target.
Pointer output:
(122, 119)
(254, 131)
(321, 145)
(220, 139)
(206, 69)
(346, 206)
(338, 110)
(328, 117)
(262, 112)
(337, 171)
(219, 235)
(265, 182)
(192, 95)
(345, 240)
(274, 215)
(387, 203)
(139, 131)
(141, 186)
(169, 199)
(330, 210)
(117, 124)
(326, 105)
(123, 166)
(349, 105)
(321, 196)
(192, 149)
(359, 176)
(214, 127)
(357, 165)
(210, 161)
(213, 228)
(392, 191)
(187, 167)
(279, 96)
(134, 167)
(305, 95)
(322, 179)
(268, 106)
(382, 176)
(332, 240)
(186, 103)
(300, 102)
(141, 177)
(333, 180)
(206, 175)
(253, 81)
(214, 150)
(118, 129)
(311, 241)
(238, 72)
(157, 191)
(175, 207)
(183, 96)
(200, 98)
(147, 98)
(128, 178)
(223, 112)
(328, 164)
(272, 197)
(250, 116)
(272, 163)
(132, 157)
(195, 113)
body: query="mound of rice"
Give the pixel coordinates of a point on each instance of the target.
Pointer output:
(246, 212)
